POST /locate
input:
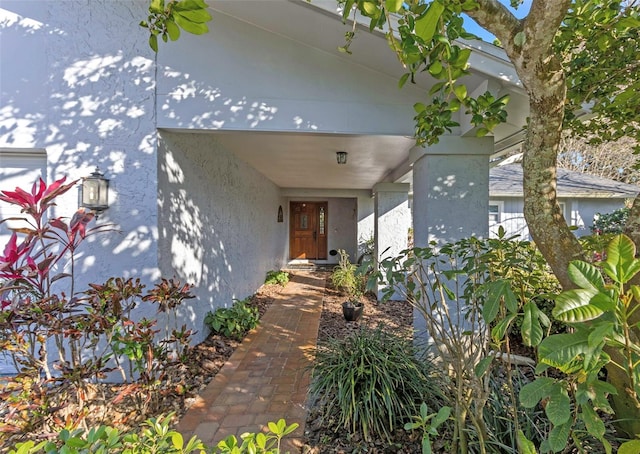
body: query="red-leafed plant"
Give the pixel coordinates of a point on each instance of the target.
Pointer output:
(62, 340)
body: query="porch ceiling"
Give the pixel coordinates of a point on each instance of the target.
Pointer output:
(308, 161)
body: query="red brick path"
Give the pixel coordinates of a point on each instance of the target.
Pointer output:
(267, 377)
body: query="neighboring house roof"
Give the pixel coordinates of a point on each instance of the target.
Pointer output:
(506, 181)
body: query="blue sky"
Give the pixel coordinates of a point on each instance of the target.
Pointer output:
(474, 28)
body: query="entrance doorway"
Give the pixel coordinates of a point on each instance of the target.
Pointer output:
(308, 230)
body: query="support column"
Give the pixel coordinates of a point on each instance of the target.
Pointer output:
(451, 190)
(392, 220)
(450, 202)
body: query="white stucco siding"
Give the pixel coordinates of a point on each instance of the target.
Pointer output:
(578, 212)
(241, 77)
(218, 223)
(77, 80)
(584, 210)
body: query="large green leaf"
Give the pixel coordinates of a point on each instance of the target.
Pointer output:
(575, 306)
(531, 329)
(534, 392)
(188, 26)
(558, 408)
(197, 16)
(630, 447)
(558, 437)
(425, 27)
(564, 351)
(498, 292)
(621, 264)
(585, 275)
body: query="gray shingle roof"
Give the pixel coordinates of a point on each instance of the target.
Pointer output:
(506, 181)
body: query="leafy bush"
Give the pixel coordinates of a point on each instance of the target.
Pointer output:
(155, 436)
(235, 321)
(62, 339)
(345, 277)
(613, 222)
(277, 277)
(372, 382)
(603, 313)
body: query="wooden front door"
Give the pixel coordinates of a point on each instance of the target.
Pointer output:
(308, 230)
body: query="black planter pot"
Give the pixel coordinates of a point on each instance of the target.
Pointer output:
(352, 311)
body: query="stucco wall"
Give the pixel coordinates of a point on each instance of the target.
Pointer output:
(579, 214)
(218, 223)
(253, 79)
(77, 80)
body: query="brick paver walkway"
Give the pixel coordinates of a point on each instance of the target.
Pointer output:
(267, 377)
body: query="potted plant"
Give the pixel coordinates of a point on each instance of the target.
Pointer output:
(346, 279)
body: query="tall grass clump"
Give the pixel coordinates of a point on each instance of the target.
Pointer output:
(372, 382)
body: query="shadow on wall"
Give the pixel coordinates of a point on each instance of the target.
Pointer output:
(81, 85)
(217, 230)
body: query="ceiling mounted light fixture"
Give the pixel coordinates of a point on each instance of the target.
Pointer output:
(341, 157)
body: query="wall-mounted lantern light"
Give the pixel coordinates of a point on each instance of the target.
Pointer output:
(341, 157)
(280, 214)
(94, 192)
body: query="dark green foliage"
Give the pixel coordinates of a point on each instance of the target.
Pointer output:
(234, 321)
(372, 382)
(277, 277)
(613, 222)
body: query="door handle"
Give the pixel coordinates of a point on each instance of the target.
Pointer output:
(315, 235)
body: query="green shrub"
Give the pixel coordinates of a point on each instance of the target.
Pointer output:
(234, 321)
(277, 277)
(372, 382)
(613, 222)
(155, 436)
(345, 277)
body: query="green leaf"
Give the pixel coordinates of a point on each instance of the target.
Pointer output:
(177, 440)
(585, 276)
(498, 291)
(393, 6)
(534, 392)
(190, 5)
(435, 68)
(173, 30)
(621, 264)
(575, 306)
(499, 331)
(531, 329)
(629, 447)
(199, 16)
(190, 27)
(403, 80)
(482, 366)
(156, 6)
(563, 351)
(525, 446)
(460, 92)
(425, 27)
(558, 437)
(153, 42)
(592, 421)
(558, 408)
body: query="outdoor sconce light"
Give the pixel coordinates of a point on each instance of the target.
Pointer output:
(94, 192)
(341, 157)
